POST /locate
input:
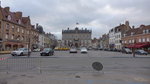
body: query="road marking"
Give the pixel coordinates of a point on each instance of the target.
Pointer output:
(3, 58)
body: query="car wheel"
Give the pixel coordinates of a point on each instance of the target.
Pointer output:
(21, 54)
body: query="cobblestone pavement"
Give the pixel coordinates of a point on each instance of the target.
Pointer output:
(75, 68)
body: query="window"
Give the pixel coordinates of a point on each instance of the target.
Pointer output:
(19, 21)
(143, 39)
(13, 28)
(22, 31)
(132, 33)
(124, 35)
(9, 17)
(7, 26)
(132, 41)
(22, 38)
(27, 32)
(143, 31)
(147, 31)
(18, 29)
(139, 40)
(129, 41)
(12, 37)
(7, 36)
(147, 39)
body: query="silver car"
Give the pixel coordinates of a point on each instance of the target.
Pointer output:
(73, 50)
(84, 50)
(21, 52)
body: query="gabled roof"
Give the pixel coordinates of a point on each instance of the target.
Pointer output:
(15, 16)
(138, 30)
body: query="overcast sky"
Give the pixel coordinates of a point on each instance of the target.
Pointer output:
(98, 15)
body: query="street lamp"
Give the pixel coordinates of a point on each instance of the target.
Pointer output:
(29, 44)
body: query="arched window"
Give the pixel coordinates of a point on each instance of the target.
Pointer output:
(9, 17)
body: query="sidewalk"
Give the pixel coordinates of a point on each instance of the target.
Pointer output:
(5, 52)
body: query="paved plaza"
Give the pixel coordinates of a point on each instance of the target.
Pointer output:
(75, 68)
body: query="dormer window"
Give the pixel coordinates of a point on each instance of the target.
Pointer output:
(132, 33)
(124, 35)
(147, 31)
(144, 31)
(19, 21)
(9, 17)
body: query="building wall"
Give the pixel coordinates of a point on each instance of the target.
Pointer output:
(16, 31)
(135, 39)
(81, 39)
(118, 44)
(41, 40)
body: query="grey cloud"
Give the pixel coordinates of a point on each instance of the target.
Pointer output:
(98, 15)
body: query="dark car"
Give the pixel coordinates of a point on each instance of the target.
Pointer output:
(141, 52)
(47, 52)
(127, 51)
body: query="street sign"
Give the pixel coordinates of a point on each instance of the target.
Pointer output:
(97, 66)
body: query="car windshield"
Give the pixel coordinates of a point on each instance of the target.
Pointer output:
(83, 49)
(47, 49)
(20, 49)
(127, 49)
(141, 51)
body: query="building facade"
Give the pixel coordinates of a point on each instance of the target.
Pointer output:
(104, 41)
(16, 31)
(140, 35)
(77, 37)
(41, 41)
(116, 34)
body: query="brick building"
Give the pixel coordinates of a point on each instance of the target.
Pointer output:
(16, 31)
(137, 37)
(115, 35)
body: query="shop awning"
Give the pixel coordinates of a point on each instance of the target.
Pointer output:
(139, 45)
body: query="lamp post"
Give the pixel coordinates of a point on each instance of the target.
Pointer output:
(133, 49)
(29, 44)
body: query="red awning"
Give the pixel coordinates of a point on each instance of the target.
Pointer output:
(139, 45)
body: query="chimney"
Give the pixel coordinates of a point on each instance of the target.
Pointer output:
(132, 27)
(7, 9)
(19, 14)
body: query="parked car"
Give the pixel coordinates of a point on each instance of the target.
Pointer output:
(36, 50)
(47, 52)
(21, 52)
(141, 52)
(100, 48)
(73, 50)
(89, 48)
(127, 51)
(84, 50)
